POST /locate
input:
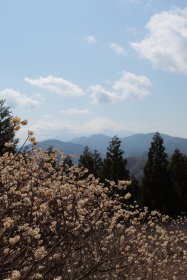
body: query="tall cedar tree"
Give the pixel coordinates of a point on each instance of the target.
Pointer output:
(98, 164)
(178, 175)
(157, 192)
(115, 165)
(86, 159)
(7, 133)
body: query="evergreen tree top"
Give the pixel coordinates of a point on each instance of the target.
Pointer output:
(157, 150)
(114, 148)
(114, 163)
(7, 133)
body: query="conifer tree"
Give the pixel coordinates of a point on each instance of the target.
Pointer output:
(86, 159)
(115, 165)
(157, 192)
(178, 175)
(92, 161)
(98, 164)
(7, 134)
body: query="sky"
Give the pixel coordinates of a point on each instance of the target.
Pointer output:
(80, 67)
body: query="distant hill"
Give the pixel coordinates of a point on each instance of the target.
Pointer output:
(136, 165)
(98, 142)
(66, 147)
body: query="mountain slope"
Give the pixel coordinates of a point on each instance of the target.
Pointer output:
(66, 147)
(98, 142)
(138, 144)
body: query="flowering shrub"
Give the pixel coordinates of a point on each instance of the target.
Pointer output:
(65, 225)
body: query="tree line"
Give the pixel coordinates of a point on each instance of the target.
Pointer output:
(164, 183)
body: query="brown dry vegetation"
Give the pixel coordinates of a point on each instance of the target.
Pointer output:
(65, 226)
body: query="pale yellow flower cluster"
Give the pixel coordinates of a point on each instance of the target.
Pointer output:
(40, 253)
(14, 239)
(8, 222)
(15, 275)
(127, 196)
(9, 144)
(64, 224)
(17, 122)
(32, 138)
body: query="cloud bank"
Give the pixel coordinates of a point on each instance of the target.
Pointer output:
(165, 44)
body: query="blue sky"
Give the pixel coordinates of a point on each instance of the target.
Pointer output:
(79, 67)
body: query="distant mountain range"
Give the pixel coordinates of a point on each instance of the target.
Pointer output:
(135, 147)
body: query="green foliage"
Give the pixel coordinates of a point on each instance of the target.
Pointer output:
(157, 192)
(178, 175)
(86, 159)
(98, 164)
(92, 161)
(115, 164)
(7, 133)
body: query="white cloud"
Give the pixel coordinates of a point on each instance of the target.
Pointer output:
(56, 85)
(15, 98)
(90, 39)
(101, 95)
(128, 86)
(165, 44)
(132, 86)
(117, 48)
(75, 111)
